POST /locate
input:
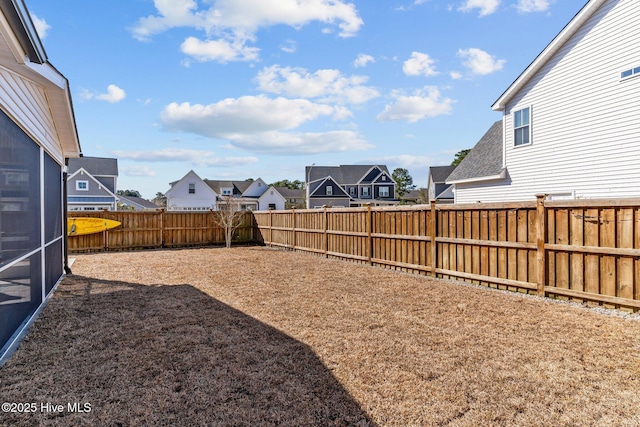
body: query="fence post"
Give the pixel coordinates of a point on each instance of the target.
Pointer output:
(541, 231)
(162, 220)
(369, 231)
(270, 228)
(326, 235)
(293, 225)
(433, 230)
(105, 233)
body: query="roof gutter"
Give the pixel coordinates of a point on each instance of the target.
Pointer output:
(501, 175)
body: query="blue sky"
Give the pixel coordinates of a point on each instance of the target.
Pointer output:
(237, 89)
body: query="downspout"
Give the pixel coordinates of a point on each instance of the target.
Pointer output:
(67, 269)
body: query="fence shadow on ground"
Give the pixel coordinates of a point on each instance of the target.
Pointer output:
(166, 355)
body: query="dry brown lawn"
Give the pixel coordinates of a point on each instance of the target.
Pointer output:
(254, 336)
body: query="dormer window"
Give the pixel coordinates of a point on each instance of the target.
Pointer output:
(227, 191)
(329, 191)
(82, 185)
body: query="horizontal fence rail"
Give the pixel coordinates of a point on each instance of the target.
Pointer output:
(581, 250)
(158, 229)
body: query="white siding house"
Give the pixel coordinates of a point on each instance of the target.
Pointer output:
(571, 121)
(190, 193)
(271, 199)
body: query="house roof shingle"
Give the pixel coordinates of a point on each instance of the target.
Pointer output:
(290, 193)
(138, 201)
(484, 160)
(343, 174)
(439, 174)
(96, 166)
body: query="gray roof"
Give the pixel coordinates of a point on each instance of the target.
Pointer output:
(96, 166)
(485, 159)
(138, 201)
(239, 187)
(290, 193)
(343, 174)
(439, 174)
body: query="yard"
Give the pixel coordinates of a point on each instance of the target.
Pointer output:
(255, 336)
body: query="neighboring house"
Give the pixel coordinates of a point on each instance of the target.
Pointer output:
(349, 185)
(37, 134)
(245, 193)
(571, 121)
(418, 196)
(192, 193)
(438, 189)
(294, 197)
(272, 199)
(92, 184)
(135, 204)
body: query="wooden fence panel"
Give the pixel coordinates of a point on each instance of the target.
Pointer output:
(582, 250)
(157, 229)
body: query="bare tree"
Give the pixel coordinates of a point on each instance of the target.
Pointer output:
(229, 217)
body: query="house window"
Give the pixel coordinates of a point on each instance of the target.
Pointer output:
(630, 73)
(352, 191)
(384, 191)
(522, 127)
(227, 191)
(329, 191)
(384, 178)
(192, 188)
(365, 191)
(82, 185)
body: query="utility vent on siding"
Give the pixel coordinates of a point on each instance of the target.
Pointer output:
(630, 73)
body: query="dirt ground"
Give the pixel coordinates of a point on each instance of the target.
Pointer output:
(256, 336)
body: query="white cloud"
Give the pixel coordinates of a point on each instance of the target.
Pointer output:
(219, 50)
(242, 116)
(237, 21)
(480, 62)
(114, 94)
(487, 7)
(42, 28)
(261, 124)
(420, 64)
(289, 46)
(302, 143)
(421, 104)
(455, 75)
(195, 157)
(363, 60)
(526, 6)
(326, 85)
(137, 171)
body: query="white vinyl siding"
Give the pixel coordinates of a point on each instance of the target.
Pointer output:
(586, 129)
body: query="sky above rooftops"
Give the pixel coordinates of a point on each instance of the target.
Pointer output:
(237, 89)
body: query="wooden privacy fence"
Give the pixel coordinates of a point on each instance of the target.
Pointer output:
(157, 229)
(583, 250)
